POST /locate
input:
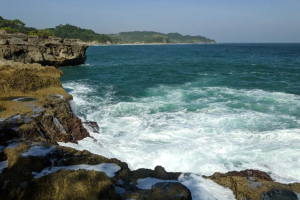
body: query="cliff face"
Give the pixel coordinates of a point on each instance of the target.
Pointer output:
(34, 106)
(50, 51)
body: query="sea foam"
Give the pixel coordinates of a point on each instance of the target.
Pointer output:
(195, 129)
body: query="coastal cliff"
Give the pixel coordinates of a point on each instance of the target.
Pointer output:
(34, 106)
(52, 51)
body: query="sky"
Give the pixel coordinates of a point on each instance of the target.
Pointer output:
(223, 20)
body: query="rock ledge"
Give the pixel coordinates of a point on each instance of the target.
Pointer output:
(52, 51)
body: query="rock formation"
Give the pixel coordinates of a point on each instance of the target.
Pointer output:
(50, 51)
(34, 106)
(26, 159)
(255, 185)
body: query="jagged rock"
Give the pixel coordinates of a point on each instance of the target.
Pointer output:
(167, 190)
(93, 126)
(35, 106)
(159, 172)
(17, 181)
(69, 184)
(44, 50)
(254, 185)
(19, 171)
(161, 191)
(279, 194)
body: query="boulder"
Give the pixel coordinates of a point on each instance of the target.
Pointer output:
(161, 191)
(254, 184)
(69, 184)
(92, 126)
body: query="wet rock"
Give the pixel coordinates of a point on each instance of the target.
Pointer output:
(44, 50)
(47, 116)
(159, 172)
(253, 185)
(161, 191)
(68, 184)
(92, 126)
(278, 194)
(19, 171)
(25, 158)
(168, 190)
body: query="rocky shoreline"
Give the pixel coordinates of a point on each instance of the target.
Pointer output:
(35, 114)
(52, 51)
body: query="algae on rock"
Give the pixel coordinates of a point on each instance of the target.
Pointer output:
(45, 113)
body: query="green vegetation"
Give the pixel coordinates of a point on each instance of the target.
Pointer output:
(178, 38)
(17, 26)
(41, 33)
(64, 31)
(87, 35)
(155, 37)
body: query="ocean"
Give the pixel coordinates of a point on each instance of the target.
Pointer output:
(192, 108)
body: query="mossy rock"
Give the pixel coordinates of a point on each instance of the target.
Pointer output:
(71, 185)
(161, 191)
(253, 185)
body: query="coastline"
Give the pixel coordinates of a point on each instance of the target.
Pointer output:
(120, 44)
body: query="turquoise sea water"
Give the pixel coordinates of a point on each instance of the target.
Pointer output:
(193, 108)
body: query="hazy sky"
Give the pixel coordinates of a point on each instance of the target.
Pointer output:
(222, 20)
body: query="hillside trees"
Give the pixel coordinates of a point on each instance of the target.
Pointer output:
(87, 35)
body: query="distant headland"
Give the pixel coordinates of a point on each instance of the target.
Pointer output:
(92, 38)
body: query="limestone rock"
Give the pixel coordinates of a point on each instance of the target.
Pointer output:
(161, 191)
(255, 185)
(92, 126)
(67, 184)
(34, 105)
(159, 172)
(50, 51)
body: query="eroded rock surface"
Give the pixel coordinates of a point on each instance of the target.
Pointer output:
(34, 106)
(69, 184)
(255, 185)
(44, 50)
(26, 159)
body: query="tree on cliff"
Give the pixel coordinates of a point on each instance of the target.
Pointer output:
(11, 24)
(87, 35)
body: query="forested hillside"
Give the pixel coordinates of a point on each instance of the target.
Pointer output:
(64, 31)
(156, 37)
(88, 35)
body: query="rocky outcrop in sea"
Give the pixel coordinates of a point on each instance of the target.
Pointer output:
(52, 51)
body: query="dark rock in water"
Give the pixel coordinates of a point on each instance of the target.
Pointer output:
(278, 194)
(250, 173)
(159, 172)
(17, 181)
(93, 126)
(50, 51)
(255, 184)
(161, 191)
(167, 190)
(68, 184)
